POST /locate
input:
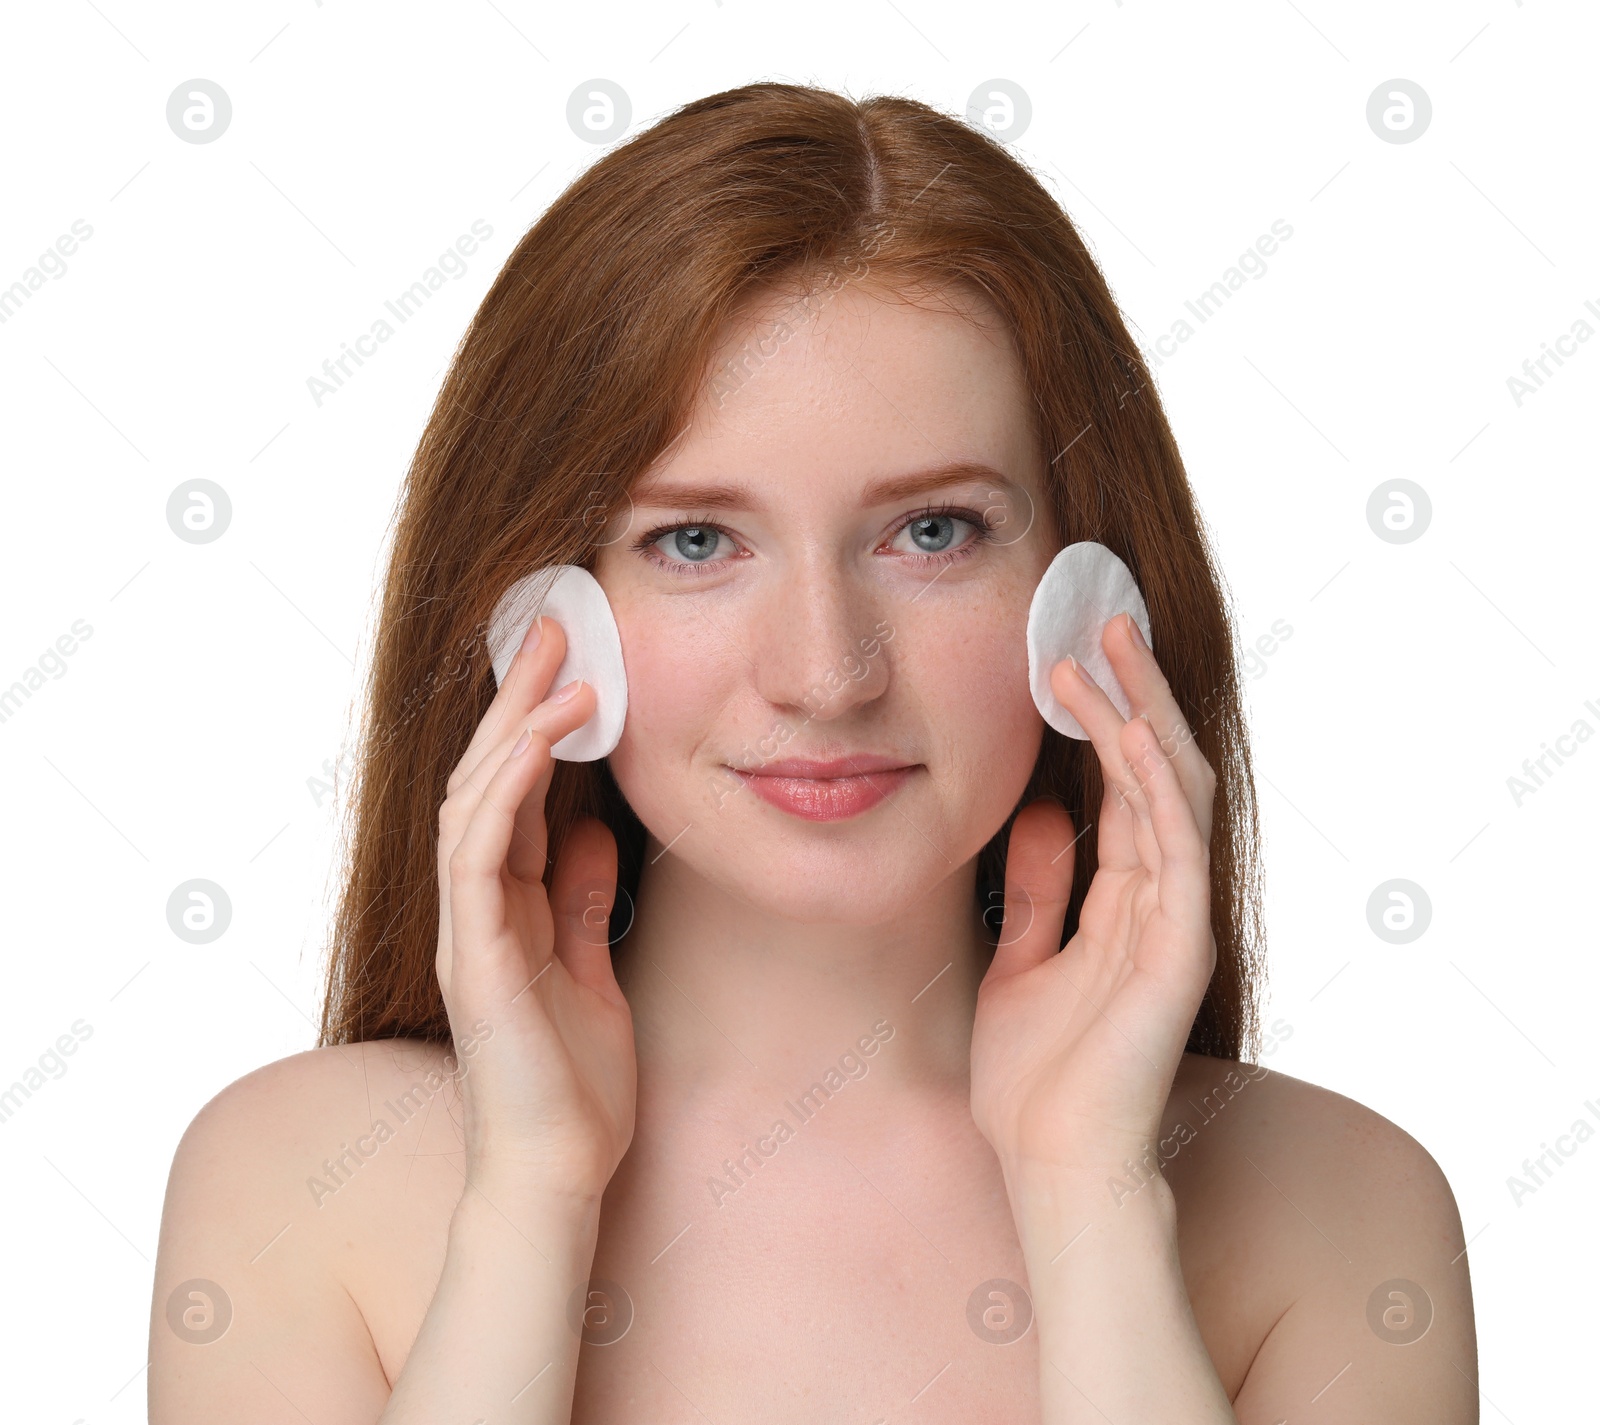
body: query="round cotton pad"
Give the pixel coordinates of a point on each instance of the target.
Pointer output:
(594, 650)
(1085, 587)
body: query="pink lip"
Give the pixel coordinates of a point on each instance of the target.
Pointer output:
(834, 767)
(827, 791)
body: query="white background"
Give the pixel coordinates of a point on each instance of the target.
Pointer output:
(183, 737)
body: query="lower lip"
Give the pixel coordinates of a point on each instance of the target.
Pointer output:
(827, 798)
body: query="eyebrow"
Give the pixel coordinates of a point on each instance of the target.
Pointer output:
(896, 487)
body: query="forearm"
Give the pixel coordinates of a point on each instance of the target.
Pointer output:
(499, 1341)
(1117, 1337)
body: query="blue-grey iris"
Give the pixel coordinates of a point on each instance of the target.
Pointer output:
(919, 532)
(695, 542)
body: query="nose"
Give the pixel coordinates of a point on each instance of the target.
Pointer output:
(819, 646)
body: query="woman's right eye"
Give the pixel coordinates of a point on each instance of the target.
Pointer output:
(684, 548)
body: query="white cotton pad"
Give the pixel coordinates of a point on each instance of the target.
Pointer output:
(1085, 587)
(594, 650)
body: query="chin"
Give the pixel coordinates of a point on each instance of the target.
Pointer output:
(873, 868)
(857, 882)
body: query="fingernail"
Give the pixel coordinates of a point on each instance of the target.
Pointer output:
(522, 742)
(1135, 632)
(1082, 672)
(531, 641)
(561, 695)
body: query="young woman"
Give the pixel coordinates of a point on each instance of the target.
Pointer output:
(847, 1045)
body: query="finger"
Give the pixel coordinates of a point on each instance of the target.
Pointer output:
(1149, 692)
(583, 891)
(483, 962)
(533, 668)
(527, 684)
(477, 893)
(1183, 881)
(529, 854)
(1039, 861)
(1121, 806)
(555, 719)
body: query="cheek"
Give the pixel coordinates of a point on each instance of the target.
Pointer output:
(970, 673)
(678, 685)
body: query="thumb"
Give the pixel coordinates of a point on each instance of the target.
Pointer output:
(1039, 861)
(583, 891)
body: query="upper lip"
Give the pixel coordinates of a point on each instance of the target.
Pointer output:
(834, 767)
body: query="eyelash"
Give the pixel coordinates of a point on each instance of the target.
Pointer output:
(645, 544)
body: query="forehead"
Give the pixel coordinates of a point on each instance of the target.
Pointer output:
(836, 388)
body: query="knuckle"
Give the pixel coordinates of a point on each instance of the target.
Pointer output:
(461, 866)
(539, 745)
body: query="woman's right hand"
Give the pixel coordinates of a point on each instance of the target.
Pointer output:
(543, 1034)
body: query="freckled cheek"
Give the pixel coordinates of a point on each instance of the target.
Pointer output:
(675, 688)
(971, 676)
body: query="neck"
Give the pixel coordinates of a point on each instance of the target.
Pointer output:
(731, 1002)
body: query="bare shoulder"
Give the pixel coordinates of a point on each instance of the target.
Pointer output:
(307, 1091)
(1312, 1226)
(1275, 1112)
(288, 1194)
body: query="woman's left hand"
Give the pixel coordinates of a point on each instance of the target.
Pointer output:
(1074, 1050)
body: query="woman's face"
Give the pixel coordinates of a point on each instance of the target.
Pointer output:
(788, 589)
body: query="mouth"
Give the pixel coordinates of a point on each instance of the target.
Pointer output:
(833, 790)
